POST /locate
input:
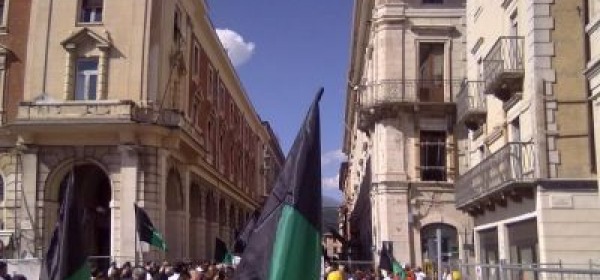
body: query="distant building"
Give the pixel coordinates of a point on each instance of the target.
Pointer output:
(139, 102)
(527, 160)
(406, 68)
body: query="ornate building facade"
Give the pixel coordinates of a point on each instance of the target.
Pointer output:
(136, 102)
(406, 68)
(528, 157)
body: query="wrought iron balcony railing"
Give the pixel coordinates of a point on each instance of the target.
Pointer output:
(409, 91)
(512, 164)
(471, 104)
(503, 67)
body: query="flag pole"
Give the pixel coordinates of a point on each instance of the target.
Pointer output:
(136, 236)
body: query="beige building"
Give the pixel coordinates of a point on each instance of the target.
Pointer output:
(138, 100)
(527, 163)
(592, 70)
(406, 68)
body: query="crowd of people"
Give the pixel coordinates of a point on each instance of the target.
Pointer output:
(339, 272)
(165, 271)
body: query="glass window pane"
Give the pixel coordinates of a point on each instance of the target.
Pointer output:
(80, 87)
(93, 81)
(86, 79)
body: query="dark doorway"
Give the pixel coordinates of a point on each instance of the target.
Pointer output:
(93, 191)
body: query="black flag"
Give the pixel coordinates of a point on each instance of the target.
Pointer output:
(66, 258)
(146, 230)
(286, 240)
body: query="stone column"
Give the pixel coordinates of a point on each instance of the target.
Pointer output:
(27, 210)
(128, 190)
(163, 155)
(503, 247)
(392, 200)
(214, 227)
(201, 227)
(477, 246)
(102, 73)
(185, 227)
(68, 92)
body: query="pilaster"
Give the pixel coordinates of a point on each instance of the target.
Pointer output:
(27, 211)
(128, 191)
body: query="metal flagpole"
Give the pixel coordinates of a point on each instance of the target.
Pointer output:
(136, 235)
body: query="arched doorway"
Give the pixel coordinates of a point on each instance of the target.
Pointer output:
(93, 191)
(429, 245)
(175, 221)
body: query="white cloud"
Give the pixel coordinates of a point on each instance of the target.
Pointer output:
(332, 157)
(331, 182)
(238, 50)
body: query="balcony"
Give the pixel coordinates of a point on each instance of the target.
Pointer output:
(107, 111)
(508, 168)
(471, 104)
(503, 67)
(409, 91)
(385, 97)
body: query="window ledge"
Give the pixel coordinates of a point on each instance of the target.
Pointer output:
(84, 24)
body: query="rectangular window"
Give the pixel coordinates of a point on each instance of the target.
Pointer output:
(91, 11)
(433, 1)
(431, 72)
(87, 79)
(177, 26)
(433, 155)
(196, 60)
(2, 11)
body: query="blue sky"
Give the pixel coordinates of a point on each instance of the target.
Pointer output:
(284, 51)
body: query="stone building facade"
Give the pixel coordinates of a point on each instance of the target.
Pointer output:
(407, 64)
(592, 69)
(136, 102)
(527, 159)
(14, 29)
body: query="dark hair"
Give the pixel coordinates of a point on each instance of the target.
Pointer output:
(19, 277)
(2, 265)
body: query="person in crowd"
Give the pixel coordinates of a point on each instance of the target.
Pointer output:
(139, 273)
(335, 273)
(419, 274)
(447, 274)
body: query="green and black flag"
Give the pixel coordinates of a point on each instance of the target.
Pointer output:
(286, 240)
(222, 255)
(389, 263)
(66, 258)
(146, 230)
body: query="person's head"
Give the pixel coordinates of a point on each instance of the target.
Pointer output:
(419, 269)
(139, 273)
(334, 267)
(447, 269)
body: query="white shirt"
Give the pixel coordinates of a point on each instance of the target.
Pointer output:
(420, 275)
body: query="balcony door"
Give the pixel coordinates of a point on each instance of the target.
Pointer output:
(431, 72)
